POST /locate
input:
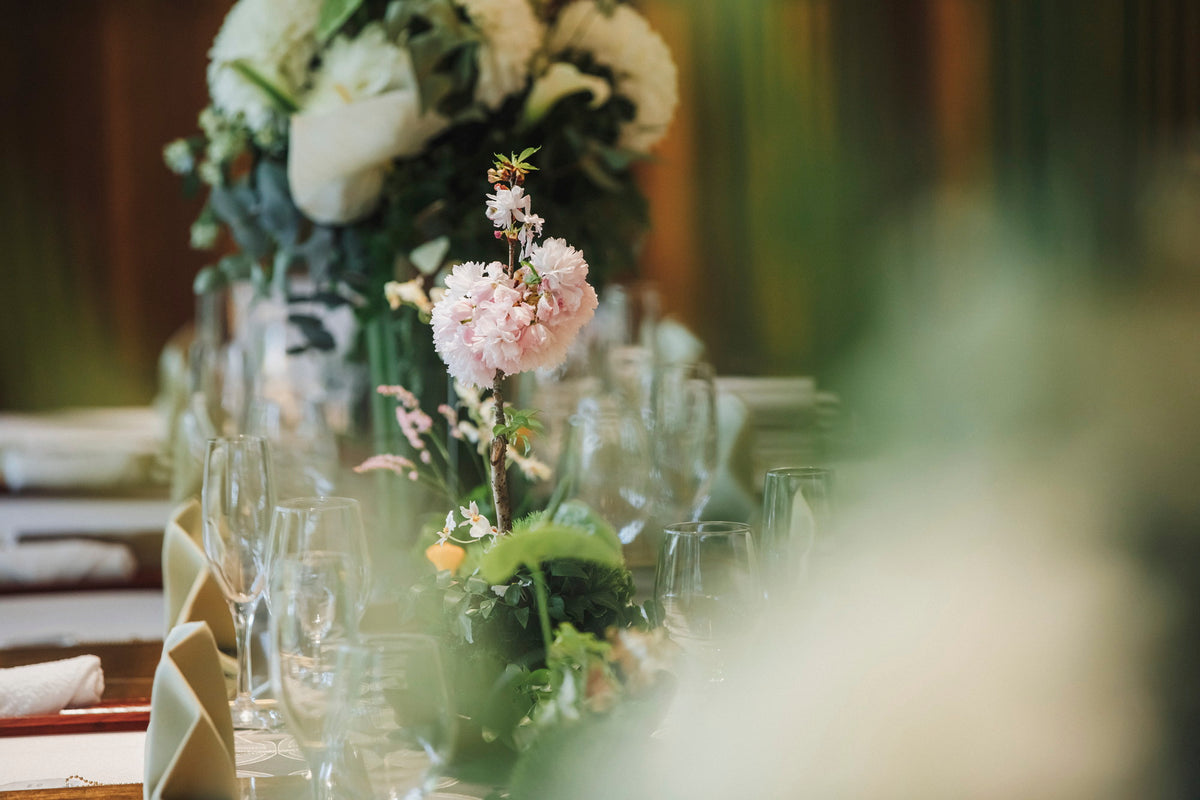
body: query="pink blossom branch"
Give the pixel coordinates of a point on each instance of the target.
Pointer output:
(499, 462)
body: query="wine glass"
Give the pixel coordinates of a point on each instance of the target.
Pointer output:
(333, 524)
(302, 443)
(684, 415)
(606, 465)
(394, 708)
(236, 501)
(708, 592)
(796, 508)
(312, 615)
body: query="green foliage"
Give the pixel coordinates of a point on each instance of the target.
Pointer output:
(334, 14)
(545, 542)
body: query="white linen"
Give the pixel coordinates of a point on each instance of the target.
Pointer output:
(43, 762)
(116, 615)
(50, 687)
(79, 449)
(65, 561)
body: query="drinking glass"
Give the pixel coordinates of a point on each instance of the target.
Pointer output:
(236, 501)
(708, 591)
(334, 524)
(685, 436)
(312, 615)
(302, 444)
(394, 708)
(607, 465)
(796, 508)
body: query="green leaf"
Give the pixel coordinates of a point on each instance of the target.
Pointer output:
(544, 542)
(527, 152)
(512, 595)
(522, 615)
(334, 14)
(281, 99)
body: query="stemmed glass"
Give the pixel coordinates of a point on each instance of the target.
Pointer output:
(708, 591)
(313, 598)
(684, 418)
(392, 702)
(334, 524)
(236, 501)
(605, 464)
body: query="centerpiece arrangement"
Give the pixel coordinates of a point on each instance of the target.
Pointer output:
(337, 142)
(537, 613)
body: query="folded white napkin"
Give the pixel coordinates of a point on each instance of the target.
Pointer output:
(65, 561)
(189, 589)
(50, 687)
(189, 742)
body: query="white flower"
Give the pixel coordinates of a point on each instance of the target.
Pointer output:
(531, 228)
(563, 79)
(179, 158)
(204, 233)
(355, 69)
(277, 39)
(638, 57)
(448, 529)
(479, 525)
(512, 34)
(507, 205)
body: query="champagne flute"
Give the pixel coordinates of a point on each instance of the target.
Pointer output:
(394, 708)
(684, 415)
(312, 615)
(236, 502)
(334, 524)
(708, 591)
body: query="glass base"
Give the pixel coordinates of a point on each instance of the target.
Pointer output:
(254, 717)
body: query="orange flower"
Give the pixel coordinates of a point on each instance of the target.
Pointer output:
(445, 555)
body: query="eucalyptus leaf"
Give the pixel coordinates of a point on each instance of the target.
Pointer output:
(430, 255)
(277, 213)
(334, 14)
(544, 542)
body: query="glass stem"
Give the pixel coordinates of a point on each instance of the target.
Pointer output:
(243, 622)
(322, 774)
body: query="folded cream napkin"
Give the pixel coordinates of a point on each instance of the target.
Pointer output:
(189, 589)
(50, 687)
(189, 742)
(65, 561)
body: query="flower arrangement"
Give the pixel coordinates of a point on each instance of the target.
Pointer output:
(538, 614)
(337, 131)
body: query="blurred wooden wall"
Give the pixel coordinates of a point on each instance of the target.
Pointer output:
(812, 130)
(807, 129)
(94, 233)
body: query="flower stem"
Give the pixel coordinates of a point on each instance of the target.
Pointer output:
(499, 461)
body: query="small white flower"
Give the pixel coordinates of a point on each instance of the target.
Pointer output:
(531, 228)
(210, 173)
(479, 525)
(179, 157)
(204, 234)
(506, 206)
(447, 529)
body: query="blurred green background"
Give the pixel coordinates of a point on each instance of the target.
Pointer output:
(821, 149)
